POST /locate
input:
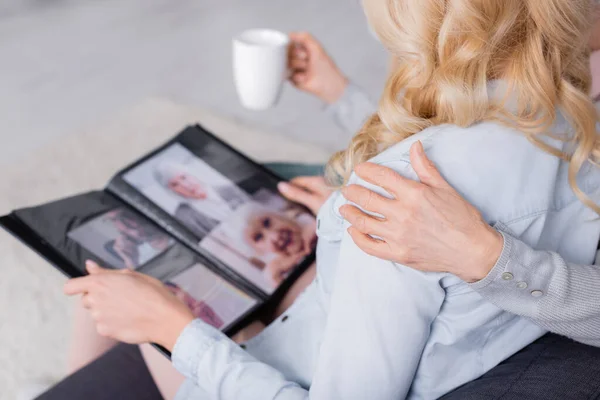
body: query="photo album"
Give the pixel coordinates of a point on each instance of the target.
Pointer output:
(197, 215)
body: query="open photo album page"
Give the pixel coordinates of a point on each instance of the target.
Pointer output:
(260, 235)
(123, 239)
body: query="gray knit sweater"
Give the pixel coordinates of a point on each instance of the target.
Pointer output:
(569, 300)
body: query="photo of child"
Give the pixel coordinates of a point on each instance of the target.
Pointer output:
(187, 188)
(209, 297)
(264, 240)
(121, 238)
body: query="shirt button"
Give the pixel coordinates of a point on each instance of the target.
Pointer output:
(285, 318)
(522, 285)
(537, 293)
(507, 276)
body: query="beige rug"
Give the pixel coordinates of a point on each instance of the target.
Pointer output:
(34, 314)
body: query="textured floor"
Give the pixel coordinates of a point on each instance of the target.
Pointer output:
(67, 64)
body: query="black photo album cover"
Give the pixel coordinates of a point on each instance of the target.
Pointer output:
(196, 214)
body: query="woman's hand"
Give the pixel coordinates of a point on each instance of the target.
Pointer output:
(312, 70)
(310, 191)
(131, 307)
(427, 226)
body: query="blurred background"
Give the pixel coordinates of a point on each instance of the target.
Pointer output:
(68, 64)
(87, 85)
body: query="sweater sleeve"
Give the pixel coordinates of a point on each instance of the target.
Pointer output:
(561, 297)
(352, 109)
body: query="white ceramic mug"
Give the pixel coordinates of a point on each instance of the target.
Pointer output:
(260, 66)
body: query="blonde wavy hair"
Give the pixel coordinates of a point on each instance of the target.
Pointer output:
(446, 51)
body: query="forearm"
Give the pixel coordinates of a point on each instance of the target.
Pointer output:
(561, 297)
(222, 369)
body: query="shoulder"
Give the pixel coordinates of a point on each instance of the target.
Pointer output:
(494, 167)
(481, 143)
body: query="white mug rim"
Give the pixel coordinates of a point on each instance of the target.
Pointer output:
(284, 39)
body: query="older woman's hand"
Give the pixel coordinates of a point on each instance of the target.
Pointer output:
(131, 307)
(427, 225)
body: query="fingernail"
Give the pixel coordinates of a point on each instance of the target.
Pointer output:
(419, 146)
(283, 186)
(91, 264)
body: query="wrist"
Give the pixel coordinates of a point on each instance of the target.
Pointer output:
(335, 90)
(172, 327)
(487, 249)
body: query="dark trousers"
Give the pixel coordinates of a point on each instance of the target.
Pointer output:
(552, 368)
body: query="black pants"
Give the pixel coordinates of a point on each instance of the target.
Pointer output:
(551, 368)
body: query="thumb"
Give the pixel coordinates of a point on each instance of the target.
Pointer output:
(426, 171)
(93, 268)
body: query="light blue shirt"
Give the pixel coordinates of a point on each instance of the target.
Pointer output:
(367, 328)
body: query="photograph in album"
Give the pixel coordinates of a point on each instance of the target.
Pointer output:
(264, 239)
(209, 297)
(187, 188)
(122, 239)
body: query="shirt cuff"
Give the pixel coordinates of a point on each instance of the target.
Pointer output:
(193, 342)
(520, 279)
(352, 109)
(346, 97)
(500, 265)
